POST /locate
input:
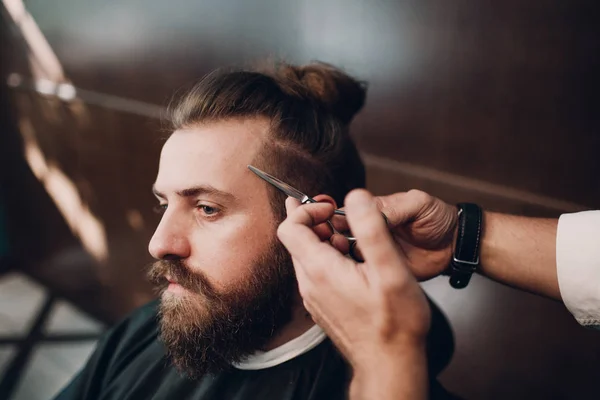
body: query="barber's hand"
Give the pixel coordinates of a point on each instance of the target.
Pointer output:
(374, 311)
(422, 226)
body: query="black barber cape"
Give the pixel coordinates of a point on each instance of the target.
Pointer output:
(130, 363)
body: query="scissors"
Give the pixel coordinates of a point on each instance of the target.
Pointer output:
(304, 199)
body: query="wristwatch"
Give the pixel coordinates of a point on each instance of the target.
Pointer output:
(465, 259)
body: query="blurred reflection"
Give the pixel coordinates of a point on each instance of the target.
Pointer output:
(42, 60)
(49, 79)
(66, 196)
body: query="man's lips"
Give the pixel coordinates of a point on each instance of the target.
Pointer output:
(174, 285)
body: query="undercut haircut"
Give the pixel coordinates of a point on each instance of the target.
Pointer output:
(309, 109)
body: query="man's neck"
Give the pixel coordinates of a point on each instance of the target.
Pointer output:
(300, 323)
(296, 338)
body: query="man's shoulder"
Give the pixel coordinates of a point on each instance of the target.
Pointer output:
(144, 314)
(131, 336)
(122, 351)
(139, 324)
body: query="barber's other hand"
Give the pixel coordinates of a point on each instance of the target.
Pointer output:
(422, 226)
(374, 311)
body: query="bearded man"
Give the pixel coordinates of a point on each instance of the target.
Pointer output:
(229, 322)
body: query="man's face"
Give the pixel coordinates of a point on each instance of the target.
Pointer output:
(224, 276)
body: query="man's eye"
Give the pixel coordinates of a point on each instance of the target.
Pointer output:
(160, 209)
(208, 210)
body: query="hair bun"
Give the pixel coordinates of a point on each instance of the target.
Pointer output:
(343, 95)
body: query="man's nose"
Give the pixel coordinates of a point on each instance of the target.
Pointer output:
(170, 240)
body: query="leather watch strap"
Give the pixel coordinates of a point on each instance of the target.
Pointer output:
(466, 253)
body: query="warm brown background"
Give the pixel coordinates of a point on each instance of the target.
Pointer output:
(494, 102)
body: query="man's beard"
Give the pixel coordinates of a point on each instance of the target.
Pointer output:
(205, 331)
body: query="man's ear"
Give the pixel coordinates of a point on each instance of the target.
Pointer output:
(325, 198)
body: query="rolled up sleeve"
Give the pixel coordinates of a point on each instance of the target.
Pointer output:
(578, 265)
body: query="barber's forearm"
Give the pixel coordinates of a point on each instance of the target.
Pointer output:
(521, 252)
(397, 377)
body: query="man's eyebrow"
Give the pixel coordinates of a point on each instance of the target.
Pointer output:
(197, 191)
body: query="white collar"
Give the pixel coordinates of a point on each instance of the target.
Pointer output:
(292, 349)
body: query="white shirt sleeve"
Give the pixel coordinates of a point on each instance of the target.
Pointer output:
(578, 265)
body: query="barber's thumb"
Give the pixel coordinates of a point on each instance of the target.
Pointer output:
(399, 208)
(291, 204)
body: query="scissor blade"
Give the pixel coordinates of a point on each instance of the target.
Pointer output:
(284, 187)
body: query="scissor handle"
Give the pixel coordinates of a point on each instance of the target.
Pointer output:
(351, 239)
(343, 213)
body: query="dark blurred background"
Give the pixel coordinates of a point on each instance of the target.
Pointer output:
(491, 102)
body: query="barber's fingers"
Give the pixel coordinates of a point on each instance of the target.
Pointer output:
(340, 223)
(340, 242)
(306, 287)
(403, 207)
(297, 234)
(398, 208)
(304, 283)
(291, 204)
(372, 234)
(322, 229)
(311, 214)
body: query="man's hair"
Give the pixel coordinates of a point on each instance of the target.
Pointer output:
(309, 109)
